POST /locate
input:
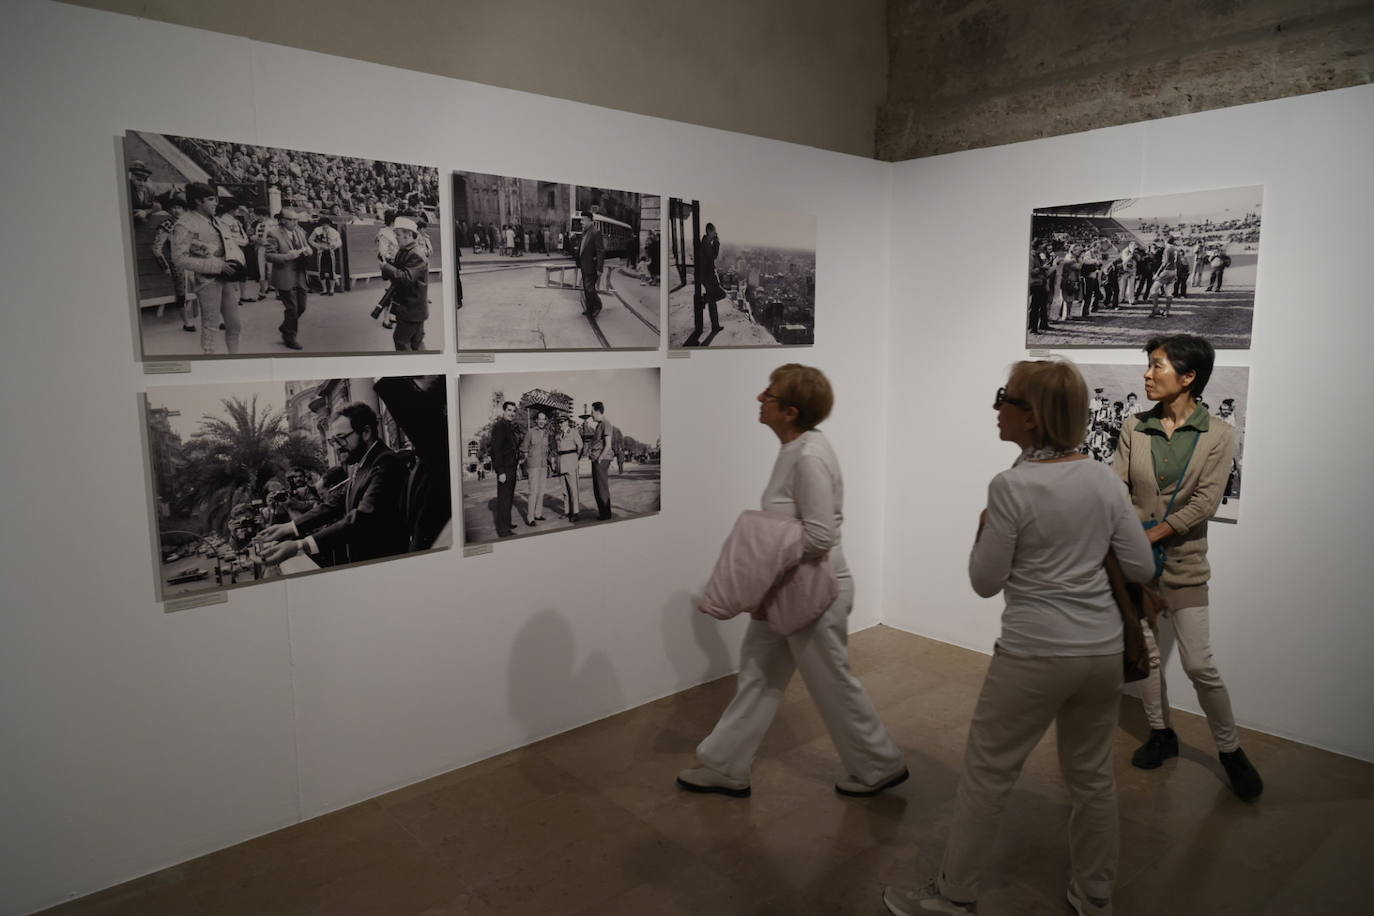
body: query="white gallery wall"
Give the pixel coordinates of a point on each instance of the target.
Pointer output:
(133, 739)
(1291, 609)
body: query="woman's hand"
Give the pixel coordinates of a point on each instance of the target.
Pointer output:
(1159, 532)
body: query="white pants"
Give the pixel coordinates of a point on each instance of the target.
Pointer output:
(1190, 626)
(1019, 700)
(820, 652)
(534, 507)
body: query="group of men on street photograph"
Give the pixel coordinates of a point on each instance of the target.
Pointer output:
(547, 453)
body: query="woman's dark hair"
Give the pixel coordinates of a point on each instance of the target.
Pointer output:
(1188, 353)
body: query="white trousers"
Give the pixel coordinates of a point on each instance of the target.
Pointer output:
(1194, 637)
(820, 652)
(1019, 700)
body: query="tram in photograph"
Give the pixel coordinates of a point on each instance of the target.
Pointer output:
(618, 236)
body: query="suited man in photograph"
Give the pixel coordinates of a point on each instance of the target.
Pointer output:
(600, 452)
(370, 522)
(711, 290)
(419, 405)
(505, 461)
(289, 253)
(590, 256)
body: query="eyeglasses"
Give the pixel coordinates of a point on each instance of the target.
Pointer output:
(770, 396)
(1002, 398)
(341, 442)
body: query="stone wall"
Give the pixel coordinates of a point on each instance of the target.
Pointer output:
(804, 71)
(972, 73)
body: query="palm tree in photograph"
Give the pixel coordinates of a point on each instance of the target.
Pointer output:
(231, 457)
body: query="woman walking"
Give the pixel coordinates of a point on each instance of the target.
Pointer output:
(1049, 523)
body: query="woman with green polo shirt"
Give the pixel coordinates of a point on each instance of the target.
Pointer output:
(1175, 460)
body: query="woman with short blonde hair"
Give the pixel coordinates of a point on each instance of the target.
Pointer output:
(807, 389)
(806, 484)
(1057, 398)
(1049, 522)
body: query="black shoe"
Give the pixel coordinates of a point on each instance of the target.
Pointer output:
(292, 343)
(1161, 745)
(221, 326)
(1245, 779)
(504, 534)
(188, 327)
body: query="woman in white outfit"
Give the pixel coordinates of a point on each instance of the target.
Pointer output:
(1049, 522)
(805, 484)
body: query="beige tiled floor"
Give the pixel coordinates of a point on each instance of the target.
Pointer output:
(589, 822)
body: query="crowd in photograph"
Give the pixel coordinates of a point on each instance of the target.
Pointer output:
(1074, 274)
(221, 251)
(343, 185)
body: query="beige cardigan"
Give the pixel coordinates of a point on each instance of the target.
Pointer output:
(1186, 571)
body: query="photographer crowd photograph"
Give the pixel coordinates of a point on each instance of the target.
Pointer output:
(1115, 273)
(259, 480)
(245, 250)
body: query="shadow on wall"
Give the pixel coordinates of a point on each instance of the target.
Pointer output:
(544, 674)
(693, 642)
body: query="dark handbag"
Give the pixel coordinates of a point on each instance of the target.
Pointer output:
(1157, 548)
(1138, 605)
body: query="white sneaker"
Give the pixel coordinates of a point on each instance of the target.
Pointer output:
(852, 787)
(927, 899)
(705, 779)
(1083, 905)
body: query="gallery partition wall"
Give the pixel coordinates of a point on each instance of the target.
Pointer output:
(1287, 618)
(136, 737)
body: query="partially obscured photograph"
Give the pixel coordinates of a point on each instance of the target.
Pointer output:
(1118, 392)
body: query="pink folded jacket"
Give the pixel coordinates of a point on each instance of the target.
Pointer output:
(761, 572)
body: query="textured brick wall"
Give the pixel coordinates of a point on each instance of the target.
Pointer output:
(972, 73)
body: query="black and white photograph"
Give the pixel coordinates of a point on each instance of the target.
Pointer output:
(259, 480)
(556, 451)
(1115, 273)
(246, 250)
(547, 265)
(1118, 392)
(739, 277)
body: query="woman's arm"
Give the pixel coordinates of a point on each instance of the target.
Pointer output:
(989, 564)
(1130, 543)
(815, 498)
(1202, 503)
(1121, 463)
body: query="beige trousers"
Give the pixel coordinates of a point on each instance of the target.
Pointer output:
(539, 475)
(820, 651)
(1020, 698)
(219, 302)
(1194, 636)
